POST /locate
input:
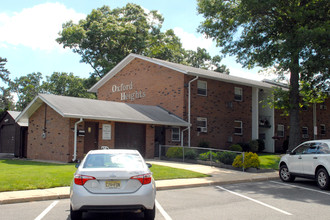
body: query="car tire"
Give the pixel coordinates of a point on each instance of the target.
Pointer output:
(285, 175)
(149, 214)
(322, 178)
(75, 215)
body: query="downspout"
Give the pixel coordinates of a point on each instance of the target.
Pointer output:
(189, 103)
(75, 139)
(314, 121)
(182, 135)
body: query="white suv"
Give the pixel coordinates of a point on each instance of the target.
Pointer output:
(311, 160)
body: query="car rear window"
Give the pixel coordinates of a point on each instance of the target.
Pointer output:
(120, 160)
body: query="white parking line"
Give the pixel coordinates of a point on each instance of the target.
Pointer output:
(256, 201)
(162, 211)
(313, 190)
(46, 210)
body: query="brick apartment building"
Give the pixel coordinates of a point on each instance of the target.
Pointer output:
(144, 102)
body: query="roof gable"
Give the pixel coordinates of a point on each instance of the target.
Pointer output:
(181, 69)
(71, 107)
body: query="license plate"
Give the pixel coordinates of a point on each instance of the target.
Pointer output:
(113, 184)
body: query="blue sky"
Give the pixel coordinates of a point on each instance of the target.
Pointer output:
(29, 29)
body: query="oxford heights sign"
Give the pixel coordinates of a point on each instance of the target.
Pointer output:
(127, 92)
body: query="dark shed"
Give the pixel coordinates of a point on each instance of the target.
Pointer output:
(13, 135)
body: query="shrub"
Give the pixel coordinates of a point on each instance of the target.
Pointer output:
(236, 147)
(250, 160)
(206, 156)
(190, 154)
(261, 145)
(245, 147)
(253, 146)
(174, 152)
(226, 157)
(203, 144)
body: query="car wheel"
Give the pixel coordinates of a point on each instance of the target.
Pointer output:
(149, 214)
(285, 174)
(322, 178)
(75, 215)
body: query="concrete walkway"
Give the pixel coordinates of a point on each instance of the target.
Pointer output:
(219, 176)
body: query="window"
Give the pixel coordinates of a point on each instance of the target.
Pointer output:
(175, 134)
(323, 106)
(323, 149)
(238, 127)
(238, 94)
(280, 130)
(201, 87)
(302, 149)
(304, 132)
(202, 124)
(323, 130)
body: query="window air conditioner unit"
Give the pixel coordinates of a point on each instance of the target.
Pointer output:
(203, 129)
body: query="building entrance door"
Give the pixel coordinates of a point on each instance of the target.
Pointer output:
(91, 136)
(159, 138)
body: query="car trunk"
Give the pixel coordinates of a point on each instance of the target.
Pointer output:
(112, 181)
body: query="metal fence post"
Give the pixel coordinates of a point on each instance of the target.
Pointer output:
(210, 158)
(183, 153)
(243, 161)
(160, 151)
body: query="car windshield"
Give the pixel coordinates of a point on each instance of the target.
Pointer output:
(118, 160)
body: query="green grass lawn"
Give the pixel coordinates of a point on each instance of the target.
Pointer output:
(269, 161)
(22, 174)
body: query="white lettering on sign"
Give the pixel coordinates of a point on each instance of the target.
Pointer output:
(132, 95)
(126, 94)
(122, 87)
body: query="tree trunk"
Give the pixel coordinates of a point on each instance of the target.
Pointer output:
(294, 134)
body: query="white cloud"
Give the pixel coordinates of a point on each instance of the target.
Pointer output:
(36, 27)
(191, 42)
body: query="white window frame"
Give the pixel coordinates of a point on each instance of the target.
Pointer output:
(201, 82)
(240, 127)
(238, 92)
(280, 130)
(175, 133)
(202, 129)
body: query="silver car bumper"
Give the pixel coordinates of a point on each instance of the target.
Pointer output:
(82, 199)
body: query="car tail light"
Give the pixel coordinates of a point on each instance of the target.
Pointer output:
(144, 178)
(82, 179)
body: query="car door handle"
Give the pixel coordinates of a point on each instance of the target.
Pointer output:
(314, 157)
(299, 158)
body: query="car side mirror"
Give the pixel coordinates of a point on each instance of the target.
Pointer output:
(149, 165)
(292, 153)
(77, 165)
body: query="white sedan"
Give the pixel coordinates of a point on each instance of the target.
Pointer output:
(311, 160)
(113, 181)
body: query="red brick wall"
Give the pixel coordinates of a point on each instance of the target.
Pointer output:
(159, 86)
(56, 144)
(220, 117)
(150, 141)
(306, 120)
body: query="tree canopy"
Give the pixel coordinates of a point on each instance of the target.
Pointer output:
(107, 36)
(5, 97)
(291, 35)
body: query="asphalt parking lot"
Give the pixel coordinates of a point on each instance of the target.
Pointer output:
(253, 200)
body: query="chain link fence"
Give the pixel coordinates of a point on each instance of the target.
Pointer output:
(199, 155)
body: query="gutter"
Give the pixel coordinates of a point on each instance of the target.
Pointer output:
(189, 103)
(75, 139)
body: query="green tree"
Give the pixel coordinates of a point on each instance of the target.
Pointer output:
(5, 97)
(67, 85)
(202, 59)
(292, 35)
(27, 88)
(107, 36)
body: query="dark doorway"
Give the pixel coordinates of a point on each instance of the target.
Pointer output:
(91, 136)
(159, 138)
(7, 134)
(130, 136)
